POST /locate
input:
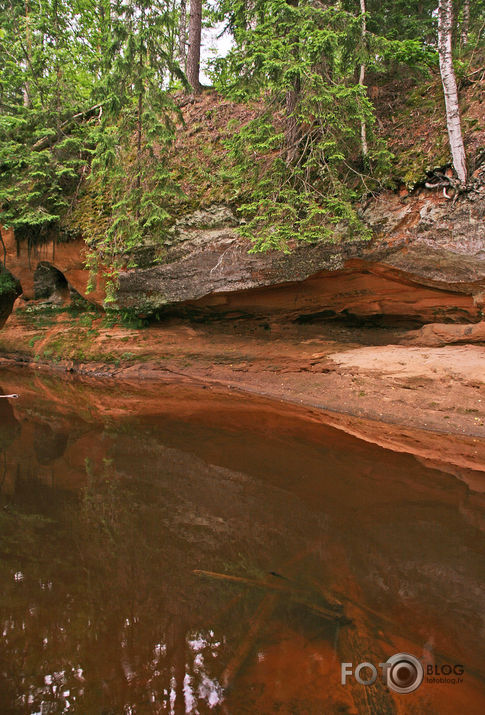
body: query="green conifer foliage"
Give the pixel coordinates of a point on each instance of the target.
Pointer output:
(85, 107)
(87, 115)
(43, 85)
(299, 167)
(130, 181)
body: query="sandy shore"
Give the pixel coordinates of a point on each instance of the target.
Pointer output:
(429, 401)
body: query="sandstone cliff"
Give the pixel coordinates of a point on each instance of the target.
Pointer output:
(425, 263)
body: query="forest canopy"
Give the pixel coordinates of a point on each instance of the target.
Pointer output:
(91, 90)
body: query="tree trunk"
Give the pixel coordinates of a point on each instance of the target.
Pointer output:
(453, 122)
(139, 118)
(28, 42)
(57, 62)
(193, 56)
(292, 128)
(183, 34)
(465, 22)
(363, 128)
(139, 134)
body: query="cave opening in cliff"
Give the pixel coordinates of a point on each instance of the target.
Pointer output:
(377, 320)
(50, 284)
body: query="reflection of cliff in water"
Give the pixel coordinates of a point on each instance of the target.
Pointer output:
(9, 427)
(107, 523)
(49, 444)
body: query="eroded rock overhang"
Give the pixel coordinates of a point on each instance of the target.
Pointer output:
(425, 263)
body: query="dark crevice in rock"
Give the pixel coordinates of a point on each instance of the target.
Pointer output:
(50, 284)
(379, 320)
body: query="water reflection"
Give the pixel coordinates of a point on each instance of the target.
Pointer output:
(9, 427)
(153, 563)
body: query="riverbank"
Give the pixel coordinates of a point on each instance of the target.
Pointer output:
(367, 381)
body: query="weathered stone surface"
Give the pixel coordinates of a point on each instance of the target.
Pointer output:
(428, 236)
(426, 262)
(360, 290)
(438, 334)
(216, 261)
(215, 216)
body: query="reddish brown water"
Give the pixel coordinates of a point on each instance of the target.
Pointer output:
(112, 508)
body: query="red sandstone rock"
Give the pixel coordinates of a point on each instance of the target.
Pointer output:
(426, 263)
(437, 334)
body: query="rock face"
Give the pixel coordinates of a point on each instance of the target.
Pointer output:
(439, 334)
(426, 263)
(66, 257)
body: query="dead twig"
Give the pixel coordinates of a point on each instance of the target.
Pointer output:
(46, 141)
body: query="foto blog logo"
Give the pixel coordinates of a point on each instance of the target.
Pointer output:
(402, 673)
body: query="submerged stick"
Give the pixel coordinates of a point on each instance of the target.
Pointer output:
(330, 611)
(260, 617)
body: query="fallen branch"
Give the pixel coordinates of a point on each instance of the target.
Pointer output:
(437, 185)
(330, 611)
(480, 69)
(256, 623)
(47, 141)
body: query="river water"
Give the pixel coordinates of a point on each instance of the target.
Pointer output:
(176, 549)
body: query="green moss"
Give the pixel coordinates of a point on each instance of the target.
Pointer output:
(86, 320)
(8, 284)
(34, 339)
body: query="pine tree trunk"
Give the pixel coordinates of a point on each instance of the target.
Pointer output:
(453, 122)
(28, 41)
(363, 128)
(465, 22)
(183, 34)
(193, 56)
(292, 128)
(139, 120)
(139, 134)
